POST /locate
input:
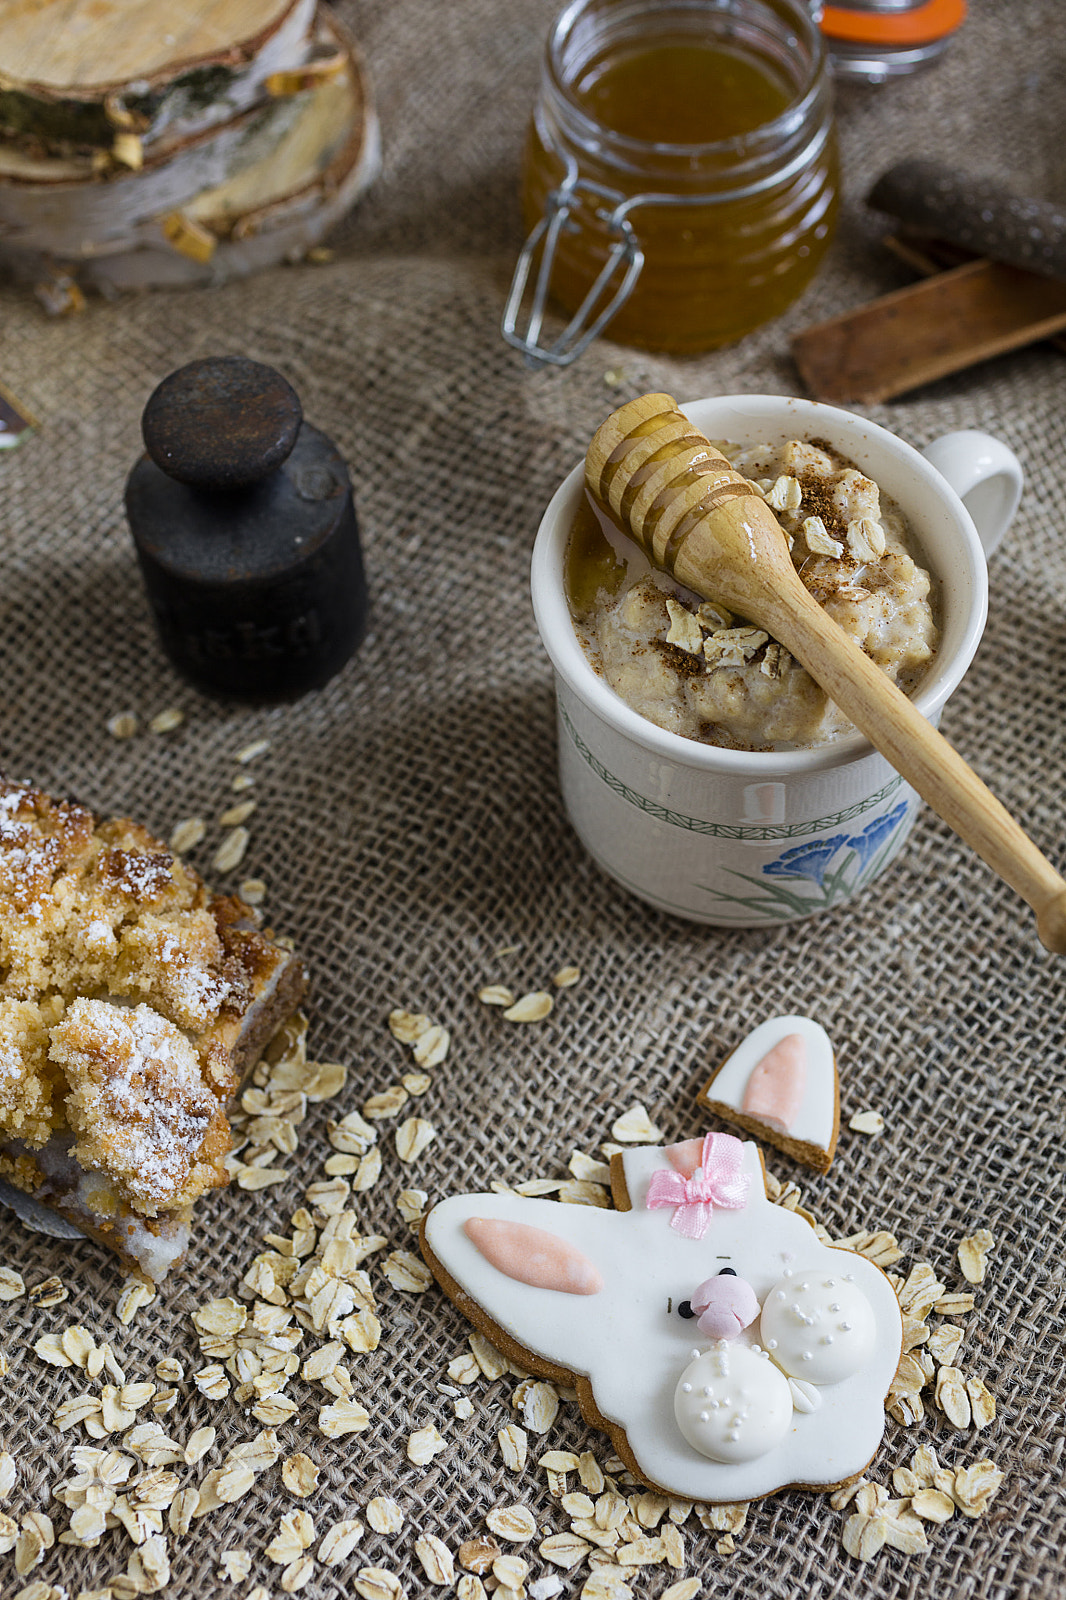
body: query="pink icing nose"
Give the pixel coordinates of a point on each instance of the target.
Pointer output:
(727, 1305)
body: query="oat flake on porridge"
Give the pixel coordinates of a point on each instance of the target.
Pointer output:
(708, 675)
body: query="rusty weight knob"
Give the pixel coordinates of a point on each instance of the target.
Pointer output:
(245, 529)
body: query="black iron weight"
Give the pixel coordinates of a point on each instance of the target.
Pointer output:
(244, 523)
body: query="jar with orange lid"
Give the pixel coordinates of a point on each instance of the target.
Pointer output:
(680, 175)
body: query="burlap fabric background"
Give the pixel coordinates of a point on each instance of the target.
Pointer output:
(409, 822)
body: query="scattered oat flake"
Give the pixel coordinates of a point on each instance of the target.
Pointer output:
(386, 1104)
(253, 891)
(234, 815)
(973, 1251)
(199, 1443)
(437, 1561)
(384, 1515)
(869, 1122)
(685, 1589)
(954, 1305)
(412, 1137)
(253, 1178)
(463, 1408)
(406, 1271)
(424, 1444)
(539, 1406)
(416, 1083)
(49, 1292)
(533, 1007)
(566, 977)
(581, 1192)
(411, 1204)
(932, 1505)
(250, 752)
(564, 1549)
(952, 1398)
(297, 1574)
(635, 1127)
(463, 1369)
(377, 1583)
(12, 1284)
(186, 835)
(492, 1363)
(496, 994)
(339, 1541)
(510, 1571)
(230, 852)
(588, 1170)
(346, 1416)
(431, 1047)
(123, 725)
(514, 1446)
(982, 1403)
(167, 720)
(299, 1474)
(236, 1565)
(407, 1026)
(515, 1523)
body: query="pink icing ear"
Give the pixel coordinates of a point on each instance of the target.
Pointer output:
(775, 1089)
(685, 1157)
(533, 1256)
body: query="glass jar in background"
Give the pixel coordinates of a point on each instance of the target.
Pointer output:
(680, 177)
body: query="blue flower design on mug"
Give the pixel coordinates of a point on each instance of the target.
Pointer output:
(873, 836)
(806, 860)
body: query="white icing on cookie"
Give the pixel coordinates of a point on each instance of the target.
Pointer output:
(815, 1119)
(805, 1397)
(633, 1350)
(818, 1326)
(731, 1404)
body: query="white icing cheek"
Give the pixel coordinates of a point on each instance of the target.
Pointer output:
(818, 1326)
(732, 1405)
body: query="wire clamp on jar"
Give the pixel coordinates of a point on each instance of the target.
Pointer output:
(586, 324)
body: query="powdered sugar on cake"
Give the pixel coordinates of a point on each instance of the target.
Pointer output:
(139, 1105)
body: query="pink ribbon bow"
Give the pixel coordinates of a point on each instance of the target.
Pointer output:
(717, 1181)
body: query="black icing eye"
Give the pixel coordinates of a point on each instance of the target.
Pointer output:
(685, 1309)
(727, 1272)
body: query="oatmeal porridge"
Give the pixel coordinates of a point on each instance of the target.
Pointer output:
(696, 669)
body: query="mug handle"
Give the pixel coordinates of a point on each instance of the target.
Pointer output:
(985, 474)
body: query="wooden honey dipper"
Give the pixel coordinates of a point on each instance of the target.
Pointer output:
(671, 491)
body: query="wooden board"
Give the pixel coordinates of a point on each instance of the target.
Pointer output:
(928, 330)
(92, 45)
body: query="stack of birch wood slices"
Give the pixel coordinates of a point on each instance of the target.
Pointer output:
(189, 142)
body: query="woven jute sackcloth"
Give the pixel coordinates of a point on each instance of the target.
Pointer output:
(409, 827)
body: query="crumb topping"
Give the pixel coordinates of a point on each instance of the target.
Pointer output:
(123, 989)
(138, 1103)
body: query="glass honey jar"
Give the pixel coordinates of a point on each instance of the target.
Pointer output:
(680, 178)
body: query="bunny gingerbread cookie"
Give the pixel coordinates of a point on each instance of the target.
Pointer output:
(724, 1348)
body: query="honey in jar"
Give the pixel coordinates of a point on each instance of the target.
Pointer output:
(695, 142)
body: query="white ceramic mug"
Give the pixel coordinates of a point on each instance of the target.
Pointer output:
(753, 839)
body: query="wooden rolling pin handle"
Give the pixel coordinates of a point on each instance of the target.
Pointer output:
(915, 748)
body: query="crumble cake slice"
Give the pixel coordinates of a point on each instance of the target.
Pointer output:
(132, 1004)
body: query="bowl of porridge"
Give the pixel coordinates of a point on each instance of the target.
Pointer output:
(700, 764)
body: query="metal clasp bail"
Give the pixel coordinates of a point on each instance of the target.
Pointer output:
(625, 255)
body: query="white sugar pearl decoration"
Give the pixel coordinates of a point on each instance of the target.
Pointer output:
(808, 1339)
(752, 1413)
